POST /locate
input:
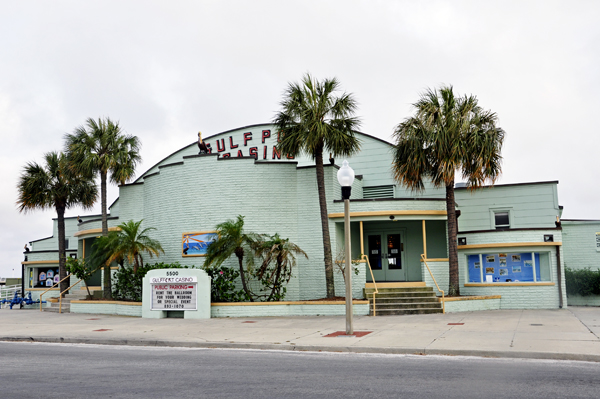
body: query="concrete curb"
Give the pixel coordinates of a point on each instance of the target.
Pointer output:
(313, 348)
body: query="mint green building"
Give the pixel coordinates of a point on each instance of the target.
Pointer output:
(510, 238)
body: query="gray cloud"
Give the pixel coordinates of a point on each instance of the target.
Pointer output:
(169, 69)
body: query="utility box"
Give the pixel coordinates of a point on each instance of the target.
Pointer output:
(170, 292)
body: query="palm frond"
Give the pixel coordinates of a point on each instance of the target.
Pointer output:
(314, 118)
(447, 134)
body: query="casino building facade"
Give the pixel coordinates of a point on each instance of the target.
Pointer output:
(510, 236)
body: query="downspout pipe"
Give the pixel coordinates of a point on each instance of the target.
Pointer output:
(559, 273)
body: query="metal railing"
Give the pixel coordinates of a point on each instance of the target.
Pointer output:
(366, 258)
(436, 284)
(7, 292)
(60, 296)
(68, 275)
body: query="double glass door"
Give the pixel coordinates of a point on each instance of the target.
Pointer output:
(386, 256)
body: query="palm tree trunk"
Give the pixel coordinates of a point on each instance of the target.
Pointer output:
(454, 288)
(324, 225)
(136, 264)
(62, 260)
(107, 291)
(103, 203)
(239, 253)
(276, 285)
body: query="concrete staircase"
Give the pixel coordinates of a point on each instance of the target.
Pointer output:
(74, 295)
(402, 298)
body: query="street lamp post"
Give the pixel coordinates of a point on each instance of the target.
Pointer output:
(346, 177)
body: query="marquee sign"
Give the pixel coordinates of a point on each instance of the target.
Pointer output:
(249, 144)
(174, 293)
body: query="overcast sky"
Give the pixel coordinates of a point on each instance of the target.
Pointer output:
(167, 69)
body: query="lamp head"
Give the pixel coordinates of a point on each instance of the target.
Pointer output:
(345, 175)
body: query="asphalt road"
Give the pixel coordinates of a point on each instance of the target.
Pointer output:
(94, 371)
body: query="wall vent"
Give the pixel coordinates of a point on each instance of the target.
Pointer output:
(378, 192)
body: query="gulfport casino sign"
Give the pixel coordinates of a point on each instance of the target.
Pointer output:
(257, 144)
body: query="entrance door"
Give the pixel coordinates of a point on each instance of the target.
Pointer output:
(386, 257)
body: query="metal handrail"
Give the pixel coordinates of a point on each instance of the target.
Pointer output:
(436, 284)
(365, 257)
(60, 296)
(68, 275)
(78, 281)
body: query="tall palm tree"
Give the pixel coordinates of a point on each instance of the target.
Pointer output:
(283, 252)
(101, 147)
(446, 135)
(55, 185)
(232, 240)
(314, 119)
(129, 242)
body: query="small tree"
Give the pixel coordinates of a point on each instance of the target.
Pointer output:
(232, 240)
(279, 258)
(129, 242)
(340, 262)
(80, 269)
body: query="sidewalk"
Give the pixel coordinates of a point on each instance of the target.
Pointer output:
(568, 334)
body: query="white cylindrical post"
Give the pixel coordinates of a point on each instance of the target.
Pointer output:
(348, 271)
(346, 177)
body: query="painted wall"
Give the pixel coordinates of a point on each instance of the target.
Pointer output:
(530, 205)
(373, 162)
(274, 198)
(437, 241)
(579, 244)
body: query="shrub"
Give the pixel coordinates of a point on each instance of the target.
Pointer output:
(128, 286)
(223, 287)
(582, 282)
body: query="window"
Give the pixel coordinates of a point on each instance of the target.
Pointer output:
(509, 267)
(43, 277)
(501, 220)
(66, 243)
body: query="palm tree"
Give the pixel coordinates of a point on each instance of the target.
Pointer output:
(283, 252)
(232, 240)
(447, 135)
(101, 147)
(129, 242)
(314, 119)
(55, 185)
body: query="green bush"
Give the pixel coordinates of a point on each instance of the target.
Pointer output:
(223, 284)
(582, 282)
(128, 286)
